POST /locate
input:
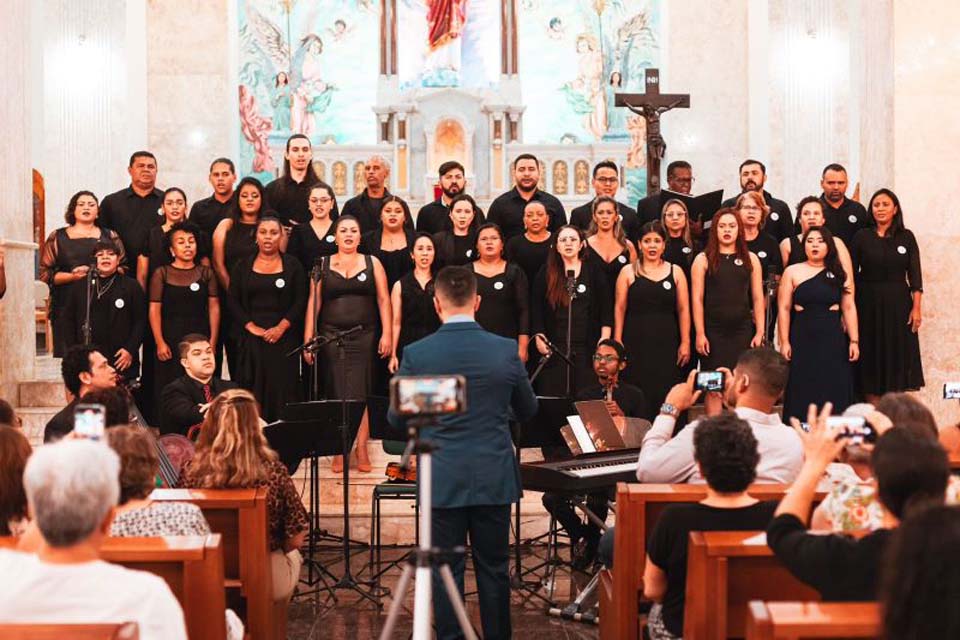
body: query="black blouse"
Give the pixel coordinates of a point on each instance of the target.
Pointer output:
(291, 291)
(455, 250)
(528, 255)
(593, 307)
(504, 302)
(308, 247)
(396, 263)
(889, 259)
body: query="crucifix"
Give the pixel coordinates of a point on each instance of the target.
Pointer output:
(650, 105)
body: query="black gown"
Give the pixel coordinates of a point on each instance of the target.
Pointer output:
(504, 302)
(728, 319)
(240, 244)
(681, 254)
(797, 254)
(887, 273)
(819, 364)
(396, 263)
(307, 247)
(418, 317)
(528, 255)
(611, 270)
(767, 250)
(453, 249)
(651, 336)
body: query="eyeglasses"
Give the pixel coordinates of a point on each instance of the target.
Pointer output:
(749, 207)
(607, 180)
(605, 359)
(683, 180)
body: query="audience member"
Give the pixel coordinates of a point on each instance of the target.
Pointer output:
(8, 416)
(72, 490)
(84, 369)
(184, 401)
(116, 403)
(14, 451)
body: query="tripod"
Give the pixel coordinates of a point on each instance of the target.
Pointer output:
(421, 562)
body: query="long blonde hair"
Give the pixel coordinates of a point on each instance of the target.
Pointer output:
(231, 451)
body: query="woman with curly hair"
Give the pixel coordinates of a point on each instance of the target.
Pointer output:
(14, 451)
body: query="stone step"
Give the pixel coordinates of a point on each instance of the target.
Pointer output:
(34, 420)
(42, 393)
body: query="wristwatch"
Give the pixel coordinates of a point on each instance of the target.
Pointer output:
(667, 409)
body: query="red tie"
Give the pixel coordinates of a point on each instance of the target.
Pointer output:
(207, 394)
(194, 431)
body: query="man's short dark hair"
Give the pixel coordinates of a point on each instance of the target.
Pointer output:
(76, 361)
(726, 450)
(142, 154)
(449, 166)
(911, 471)
(677, 164)
(183, 347)
(525, 156)
(104, 244)
(116, 404)
(767, 368)
(616, 346)
(749, 161)
(605, 164)
(226, 161)
(457, 285)
(7, 415)
(833, 166)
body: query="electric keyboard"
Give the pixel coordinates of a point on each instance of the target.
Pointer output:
(584, 473)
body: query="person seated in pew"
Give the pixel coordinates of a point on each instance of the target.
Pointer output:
(232, 453)
(726, 454)
(752, 390)
(84, 369)
(910, 472)
(184, 401)
(15, 450)
(72, 492)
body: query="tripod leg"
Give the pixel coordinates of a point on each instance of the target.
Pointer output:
(454, 594)
(398, 597)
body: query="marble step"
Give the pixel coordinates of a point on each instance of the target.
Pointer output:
(42, 393)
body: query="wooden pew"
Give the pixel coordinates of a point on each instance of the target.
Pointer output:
(240, 517)
(794, 620)
(725, 571)
(638, 508)
(120, 631)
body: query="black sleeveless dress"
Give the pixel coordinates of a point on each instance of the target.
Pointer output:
(504, 302)
(611, 270)
(418, 316)
(728, 319)
(681, 254)
(651, 336)
(819, 367)
(307, 247)
(797, 254)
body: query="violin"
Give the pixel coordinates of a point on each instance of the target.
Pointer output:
(396, 473)
(173, 450)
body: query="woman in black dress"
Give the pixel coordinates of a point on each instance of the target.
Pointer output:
(65, 257)
(529, 250)
(174, 209)
(886, 263)
(810, 214)
(652, 319)
(268, 293)
(391, 241)
(314, 239)
(503, 290)
(728, 304)
(590, 319)
(813, 297)
(607, 245)
(458, 247)
(411, 300)
(753, 212)
(352, 291)
(183, 300)
(681, 248)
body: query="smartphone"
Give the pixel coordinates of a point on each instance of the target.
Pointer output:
(856, 429)
(428, 395)
(89, 421)
(951, 391)
(709, 381)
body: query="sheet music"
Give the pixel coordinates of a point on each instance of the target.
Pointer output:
(580, 432)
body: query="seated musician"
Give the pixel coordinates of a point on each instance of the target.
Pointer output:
(84, 369)
(623, 400)
(184, 401)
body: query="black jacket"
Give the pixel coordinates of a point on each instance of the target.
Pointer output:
(180, 400)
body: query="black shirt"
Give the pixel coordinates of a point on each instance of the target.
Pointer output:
(528, 255)
(60, 424)
(434, 217)
(779, 222)
(289, 199)
(208, 213)
(582, 215)
(132, 217)
(767, 249)
(629, 398)
(648, 209)
(507, 211)
(365, 209)
(841, 568)
(845, 220)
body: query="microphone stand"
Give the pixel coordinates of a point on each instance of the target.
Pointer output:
(572, 295)
(770, 291)
(87, 329)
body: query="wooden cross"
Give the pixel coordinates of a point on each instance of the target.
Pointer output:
(650, 105)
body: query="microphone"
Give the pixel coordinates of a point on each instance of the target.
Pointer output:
(554, 349)
(571, 284)
(350, 331)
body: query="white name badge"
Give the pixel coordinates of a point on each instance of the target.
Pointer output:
(194, 286)
(581, 288)
(160, 211)
(622, 259)
(852, 218)
(738, 262)
(498, 285)
(687, 250)
(119, 304)
(281, 283)
(830, 275)
(774, 216)
(667, 285)
(762, 254)
(330, 238)
(362, 277)
(469, 252)
(902, 250)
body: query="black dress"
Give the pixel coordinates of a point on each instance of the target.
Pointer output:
(239, 245)
(158, 255)
(819, 365)
(887, 272)
(651, 336)
(308, 247)
(418, 317)
(797, 253)
(348, 302)
(528, 255)
(681, 254)
(265, 299)
(611, 270)
(453, 249)
(767, 250)
(396, 263)
(504, 302)
(728, 319)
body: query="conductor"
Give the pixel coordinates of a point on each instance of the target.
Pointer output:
(475, 473)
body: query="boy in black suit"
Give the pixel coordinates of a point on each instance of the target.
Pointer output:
(184, 401)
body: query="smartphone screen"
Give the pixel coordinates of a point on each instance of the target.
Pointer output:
(856, 429)
(428, 395)
(89, 420)
(709, 381)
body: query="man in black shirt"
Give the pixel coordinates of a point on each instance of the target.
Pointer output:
(365, 206)
(208, 212)
(287, 195)
(434, 217)
(679, 180)
(133, 211)
(84, 369)
(910, 470)
(507, 209)
(844, 217)
(606, 182)
(753, 175)
(184, 402)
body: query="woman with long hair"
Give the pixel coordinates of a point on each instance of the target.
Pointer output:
(14, 451)
(174, 209)
(589, 313)
(314, 239)
(390, 242)
(232, 453)
(503, 290)
(681, 248)
(459, 246)
(886, 265)
(411, 300)
(652, 318)
(814, 296)
(810, 214)
(607, 245)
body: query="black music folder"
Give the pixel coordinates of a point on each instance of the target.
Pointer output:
(701, 208)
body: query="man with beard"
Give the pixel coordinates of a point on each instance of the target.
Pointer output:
(606, 182)
(365, 206)
(753, 175)
(507, 209)
(184, 401)
(434, 217)
(133, 211)
(844, 217)
(679, 180)
(288, 194)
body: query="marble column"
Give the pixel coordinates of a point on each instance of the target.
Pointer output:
(17, 347)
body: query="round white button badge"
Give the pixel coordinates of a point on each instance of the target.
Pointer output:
(194, 286)
(902, 250)
(622, 259)
(119, 304)
(738, 262)
(330, 238)
(774, 216)
(362, 277)
(498, 285)
(469, 252)
(667, 285)
(830, 275)
(281, 283)
(762, 254)
(581, 288)
(852, 219)
(687, 250)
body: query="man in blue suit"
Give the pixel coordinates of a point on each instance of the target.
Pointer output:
(475, 473)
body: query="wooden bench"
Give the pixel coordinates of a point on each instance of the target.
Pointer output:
(240, 517)
(725, 571)
(120, 631)
(638, 508)
(795, 620)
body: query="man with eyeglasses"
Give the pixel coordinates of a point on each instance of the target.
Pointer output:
(753, 175)
(679, 180)
(606, 182)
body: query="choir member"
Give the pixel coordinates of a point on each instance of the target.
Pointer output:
(606, 183)
(459, 246)
(352, 290)
(681, 247)
(814, 295)
(753, 175)
(183, 300)
(844, 217)
(503, 289)
(208, 212)
(507, 209)
(117, 312)
(133, 211)
(607, 246)
(810, 214)
(314, 240)
(157, 252)
(391, 241)
(886, 264)
(288, 195)
(726, 282)
(434, 217)
(589, 314)
(267, 296)
(679, 180)
(365, 206)
(185, 400)
(411, 300)
(652, 318)
(754, 214)
(529, 250)
(65, 256)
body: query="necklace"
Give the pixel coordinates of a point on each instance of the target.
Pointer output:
(102, 291)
